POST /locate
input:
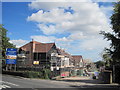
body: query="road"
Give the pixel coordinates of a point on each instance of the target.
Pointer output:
(19, 82)
(9, 81)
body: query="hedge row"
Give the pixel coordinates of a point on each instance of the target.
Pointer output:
(44, 74)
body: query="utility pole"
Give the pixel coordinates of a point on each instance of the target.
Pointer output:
(15, 67)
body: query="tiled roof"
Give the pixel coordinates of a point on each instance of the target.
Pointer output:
(43, 47)
(62, 52)
(77, 58)
(38, 47)
(87, 61)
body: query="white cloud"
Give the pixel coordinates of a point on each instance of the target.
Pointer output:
(88, 18)
(83, 25)
(47, 29)
(18, 42)
(54, 16)
(91, 43)
(107, 10)
(43, 39)
(77, 36)
(51, 4)
(58, 1)
(37, 4)
(105, 0)
(94, 44)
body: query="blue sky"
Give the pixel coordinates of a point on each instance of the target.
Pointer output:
(74, 27)
(14, 20)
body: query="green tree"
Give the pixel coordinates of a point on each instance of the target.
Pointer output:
(107, 59)
(4, 43)
(99, 64)
(114, 37)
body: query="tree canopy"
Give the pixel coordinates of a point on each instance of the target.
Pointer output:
(4, 41)
(99, 64)
(114, 37)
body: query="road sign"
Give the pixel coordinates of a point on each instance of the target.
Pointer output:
(11, 55)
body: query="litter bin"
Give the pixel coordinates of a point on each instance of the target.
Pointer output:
(107, 77)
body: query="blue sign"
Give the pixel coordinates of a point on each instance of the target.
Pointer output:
(11, 55)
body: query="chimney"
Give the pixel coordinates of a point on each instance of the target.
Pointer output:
(33, 44)
(32, 39)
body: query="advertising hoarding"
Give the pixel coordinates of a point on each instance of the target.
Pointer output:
(11, 55)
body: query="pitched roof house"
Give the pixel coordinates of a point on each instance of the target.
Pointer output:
(37, 46)
(66, 56)
(77, 61)
(36, 51)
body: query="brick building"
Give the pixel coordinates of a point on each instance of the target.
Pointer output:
(36, 51)
(48, 55)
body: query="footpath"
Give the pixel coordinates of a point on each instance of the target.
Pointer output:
(84, 81)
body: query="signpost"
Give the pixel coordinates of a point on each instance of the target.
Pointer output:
(11, 55)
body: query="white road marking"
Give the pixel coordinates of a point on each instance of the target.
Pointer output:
(4, 86)
(10, 83)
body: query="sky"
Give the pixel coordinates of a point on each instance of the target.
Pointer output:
(73, 26)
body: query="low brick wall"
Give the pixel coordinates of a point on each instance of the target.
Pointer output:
(106, 77)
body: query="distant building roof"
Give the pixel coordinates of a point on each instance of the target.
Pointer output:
(62, 52)
(87, 61)
(77, 58)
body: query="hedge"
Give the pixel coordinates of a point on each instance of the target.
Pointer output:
(44, 74)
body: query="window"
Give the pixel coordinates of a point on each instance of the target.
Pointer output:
(27, 52)
(81, 64)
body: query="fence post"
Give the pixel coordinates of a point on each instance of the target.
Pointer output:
(113, 73)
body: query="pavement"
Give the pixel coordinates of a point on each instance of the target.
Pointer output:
(84, 81)
(9, 81)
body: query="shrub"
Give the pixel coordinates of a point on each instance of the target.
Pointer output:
(31, 74)
(47, 73)
(44, 74)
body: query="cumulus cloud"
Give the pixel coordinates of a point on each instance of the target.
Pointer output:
(50, 17)
(107, 11)
(37, 4)
(51, 4)
(105, 0)
(43, 39)
(83, 21)
(93, 44)
(18, 42)
(77, 36)
(47, 29)
(87, 18)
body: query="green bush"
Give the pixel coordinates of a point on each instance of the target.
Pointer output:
(47, 73)
(31, 74)
(44, 74)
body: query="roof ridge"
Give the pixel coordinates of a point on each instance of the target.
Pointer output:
(76, 55)
(49, 43)
(35, 41)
